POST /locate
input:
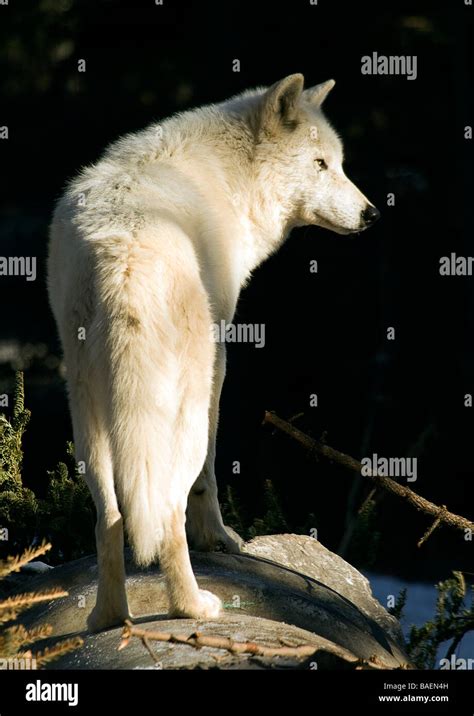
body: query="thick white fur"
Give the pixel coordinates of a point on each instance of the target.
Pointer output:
(148, 247)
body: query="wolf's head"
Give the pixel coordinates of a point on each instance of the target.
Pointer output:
(301, 156)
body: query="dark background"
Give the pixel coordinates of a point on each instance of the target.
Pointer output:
(325, 332)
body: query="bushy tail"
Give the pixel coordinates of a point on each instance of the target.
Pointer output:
(142, 410)
(160, 361)
(141, 447)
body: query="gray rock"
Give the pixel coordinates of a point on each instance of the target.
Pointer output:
(36, 568)
(310, 557)
(100, 650)
(283, 587)
(18, 581)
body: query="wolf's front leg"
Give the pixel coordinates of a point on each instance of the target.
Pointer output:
(204, 525)
(111, 608)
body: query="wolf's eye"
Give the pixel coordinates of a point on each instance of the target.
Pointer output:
(321, 163)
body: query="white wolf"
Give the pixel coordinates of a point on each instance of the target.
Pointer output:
(149, 248)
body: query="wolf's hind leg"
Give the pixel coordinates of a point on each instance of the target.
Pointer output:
(205, 528)
(185, 597)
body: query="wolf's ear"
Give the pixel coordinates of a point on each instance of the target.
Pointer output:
(280, 102)
(316, 95)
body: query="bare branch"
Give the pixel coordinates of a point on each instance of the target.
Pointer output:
(440, 514)
(432, 528)
(197, 640)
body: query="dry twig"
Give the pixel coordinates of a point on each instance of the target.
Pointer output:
(197, 640)
(440, 514)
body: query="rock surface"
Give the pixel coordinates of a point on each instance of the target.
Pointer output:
(284, 589)
(310, 557)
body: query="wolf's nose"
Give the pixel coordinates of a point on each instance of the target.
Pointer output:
(369, 215)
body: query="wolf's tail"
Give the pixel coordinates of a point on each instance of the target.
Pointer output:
(160, 373)
(141, 423)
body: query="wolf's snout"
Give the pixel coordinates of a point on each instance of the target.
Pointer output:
(369, 215)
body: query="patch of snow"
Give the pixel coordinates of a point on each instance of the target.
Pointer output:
(419, 607)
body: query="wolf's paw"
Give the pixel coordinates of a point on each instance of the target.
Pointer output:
(205, 606)
(222, 539)
(209, 605)
(231, 542)
(100, 619)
